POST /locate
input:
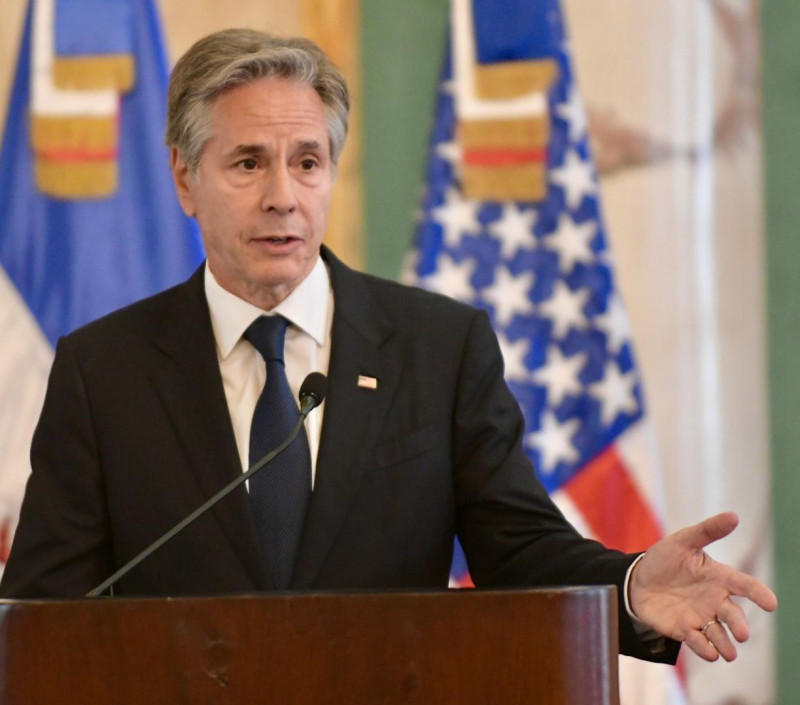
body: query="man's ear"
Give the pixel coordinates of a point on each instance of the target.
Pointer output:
(183, 182)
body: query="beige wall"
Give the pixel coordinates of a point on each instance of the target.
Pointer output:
(11, 16)
(334, 24)
(188, 20)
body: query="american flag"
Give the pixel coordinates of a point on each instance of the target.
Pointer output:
(539, 264)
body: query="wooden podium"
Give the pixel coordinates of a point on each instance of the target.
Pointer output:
(542, 647)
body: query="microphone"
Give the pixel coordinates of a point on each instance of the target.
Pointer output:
(312, 394)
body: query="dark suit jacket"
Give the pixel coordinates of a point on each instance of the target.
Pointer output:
(135, 434)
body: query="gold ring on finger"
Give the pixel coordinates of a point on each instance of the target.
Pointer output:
(707, 625)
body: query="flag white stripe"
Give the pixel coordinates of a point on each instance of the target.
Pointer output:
(638, 449)
(25, 363)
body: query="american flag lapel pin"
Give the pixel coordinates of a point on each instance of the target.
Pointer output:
(367, 382)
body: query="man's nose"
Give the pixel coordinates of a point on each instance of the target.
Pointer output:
(279, 191)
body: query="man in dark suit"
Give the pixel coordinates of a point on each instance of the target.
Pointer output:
(152, 409)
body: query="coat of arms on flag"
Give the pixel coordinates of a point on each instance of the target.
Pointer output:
(511, 223)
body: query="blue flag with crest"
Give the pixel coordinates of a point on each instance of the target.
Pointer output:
(89, 220)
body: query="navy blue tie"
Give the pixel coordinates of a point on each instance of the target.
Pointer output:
(279, 493)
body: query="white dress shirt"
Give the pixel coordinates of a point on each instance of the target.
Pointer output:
(307, 348)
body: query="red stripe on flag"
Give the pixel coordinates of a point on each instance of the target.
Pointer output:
(464, 581)
(617, 513)
(503, 157)
(5, 541)
(78, 155)
(680, 668)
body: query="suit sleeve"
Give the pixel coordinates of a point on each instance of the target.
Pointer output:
(512, 533)
(62, 546)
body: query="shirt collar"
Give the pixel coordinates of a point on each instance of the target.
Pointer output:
(306, 307)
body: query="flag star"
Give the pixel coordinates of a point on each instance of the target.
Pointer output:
(575, 177)
(509, 295)
(553, 440)
(574, 112)
(514, 357)
(560, 375)
(565, 308)
(408, 272)
(457, 216)
(514, 229)
(614, 323)
(573, 242)
(449, 151)
(606, 257)
(615, 392)
(451, 278)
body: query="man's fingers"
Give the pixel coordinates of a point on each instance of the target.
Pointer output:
(710, 530)
(734, 618)
(698, 643)
(717, 636)
(753, 589)
(711, 643)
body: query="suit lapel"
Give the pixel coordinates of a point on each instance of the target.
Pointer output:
(190, 387)
(353, 415)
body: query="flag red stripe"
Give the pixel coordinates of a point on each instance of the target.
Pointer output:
(465, 581)
(611, 504)
(78, 155)
(5, 541)
(680, 668)
(503, 157)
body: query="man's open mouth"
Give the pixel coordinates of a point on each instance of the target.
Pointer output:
(278, 239)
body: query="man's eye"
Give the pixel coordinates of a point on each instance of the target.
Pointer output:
(248, 164)
(309, 164)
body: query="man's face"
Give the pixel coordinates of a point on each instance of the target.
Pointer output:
(263, 187)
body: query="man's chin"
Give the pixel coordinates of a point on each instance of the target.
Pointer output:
(276, 281)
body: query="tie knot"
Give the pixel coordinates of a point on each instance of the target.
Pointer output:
(266, 334)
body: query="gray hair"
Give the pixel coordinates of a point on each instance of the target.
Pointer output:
(234, 57)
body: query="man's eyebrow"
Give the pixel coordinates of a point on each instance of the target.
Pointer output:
(247, 150)
(309, 145)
